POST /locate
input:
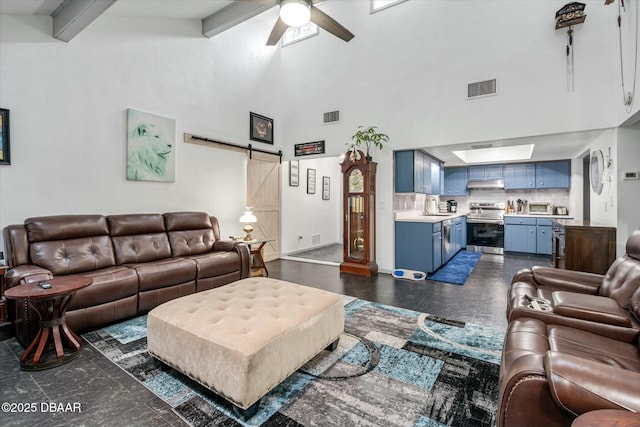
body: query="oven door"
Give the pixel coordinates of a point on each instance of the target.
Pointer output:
(485, 236)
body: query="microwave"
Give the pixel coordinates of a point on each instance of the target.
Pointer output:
(540, 208)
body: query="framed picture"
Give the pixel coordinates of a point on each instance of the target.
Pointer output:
(311, 181)
(326, 188)
(151, 141)
(260, 128)
(5, 154)
(294, 173)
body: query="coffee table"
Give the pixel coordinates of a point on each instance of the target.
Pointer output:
(50, 305)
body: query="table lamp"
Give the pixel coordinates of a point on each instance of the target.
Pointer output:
(247, 219)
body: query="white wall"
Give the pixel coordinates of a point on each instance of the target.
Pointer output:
(604, 206)
(628, 159)
(308, 214)
(68, 106)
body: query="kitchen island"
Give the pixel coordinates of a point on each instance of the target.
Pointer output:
(583, 245)
(426, 242)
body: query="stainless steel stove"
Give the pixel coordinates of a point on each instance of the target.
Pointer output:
(485, 228)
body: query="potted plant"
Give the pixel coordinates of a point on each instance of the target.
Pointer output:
(369, 137)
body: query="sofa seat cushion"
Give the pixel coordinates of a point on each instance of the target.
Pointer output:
(164, 273)
(594, 347)
(109, 284)
(215, 264)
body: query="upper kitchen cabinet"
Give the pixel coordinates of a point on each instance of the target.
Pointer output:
(416, 172)
(485, 172)
(556, 174)
(455, 181)
(519, 176)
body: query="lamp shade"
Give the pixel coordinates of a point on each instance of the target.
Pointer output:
(295, 13)
(248, 217)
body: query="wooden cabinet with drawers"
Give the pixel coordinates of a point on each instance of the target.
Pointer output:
(583, 246)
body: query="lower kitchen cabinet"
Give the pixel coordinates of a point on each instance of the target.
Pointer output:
(418, 246)
(520, 235)
(544, 237)
(528, 235)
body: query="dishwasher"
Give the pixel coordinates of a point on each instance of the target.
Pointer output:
(447, 247)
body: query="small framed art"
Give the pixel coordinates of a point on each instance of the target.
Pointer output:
(294, 173)
(326, 188)
(311, 181)
(260, 128)
(5, 157)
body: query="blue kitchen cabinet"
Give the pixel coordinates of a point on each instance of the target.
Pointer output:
(519, 176)
(455, 181)
(418, 246)
(435, 177)
(416, 172)
(485, 172)
(520, 235)
(556, 174)
(544, 240)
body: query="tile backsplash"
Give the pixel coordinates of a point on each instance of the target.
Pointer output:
(414, 201)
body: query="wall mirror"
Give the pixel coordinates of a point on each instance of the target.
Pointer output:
(595, 171)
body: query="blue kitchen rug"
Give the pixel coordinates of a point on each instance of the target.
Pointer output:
(392, 367)
(458, 269)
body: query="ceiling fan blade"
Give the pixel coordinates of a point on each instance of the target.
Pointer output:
(277, 32)
(329, 24)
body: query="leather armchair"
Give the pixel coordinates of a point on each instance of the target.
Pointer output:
(592, 302)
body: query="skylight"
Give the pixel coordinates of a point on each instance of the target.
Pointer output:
(496, 154)
(296, 34)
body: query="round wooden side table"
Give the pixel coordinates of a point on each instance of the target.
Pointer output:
(50, 305)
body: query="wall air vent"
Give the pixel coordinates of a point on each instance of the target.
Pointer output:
(331, 117)
(485, 88)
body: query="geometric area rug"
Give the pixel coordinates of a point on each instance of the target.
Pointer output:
(392, 367)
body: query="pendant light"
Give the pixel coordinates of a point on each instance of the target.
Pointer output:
(295, 13)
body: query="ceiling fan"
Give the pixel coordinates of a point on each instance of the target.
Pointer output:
(296, 13)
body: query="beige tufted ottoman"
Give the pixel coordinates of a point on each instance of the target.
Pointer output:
(243, 339)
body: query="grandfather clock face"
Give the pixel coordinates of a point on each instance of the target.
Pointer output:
(356, 181)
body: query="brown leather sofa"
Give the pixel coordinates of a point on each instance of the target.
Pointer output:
(592, 302)
(580, 354)
(136, 261)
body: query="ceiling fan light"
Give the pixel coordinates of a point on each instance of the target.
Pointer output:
(295, 13)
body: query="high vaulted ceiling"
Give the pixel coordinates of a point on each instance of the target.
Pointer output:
(75, 15)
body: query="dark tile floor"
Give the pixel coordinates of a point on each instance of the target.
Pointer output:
(108, 396)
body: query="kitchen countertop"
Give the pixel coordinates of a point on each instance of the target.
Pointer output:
(416, 216)
(539, 216)
(581, 223)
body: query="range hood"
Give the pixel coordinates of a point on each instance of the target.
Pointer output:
(486, 185)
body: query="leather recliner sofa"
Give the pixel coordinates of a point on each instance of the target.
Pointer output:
(136, 261)
(581, 353)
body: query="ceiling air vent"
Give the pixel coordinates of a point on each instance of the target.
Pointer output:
(331, 117)
(487, 87)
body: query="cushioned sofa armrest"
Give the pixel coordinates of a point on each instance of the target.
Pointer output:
(590, 307)
(26, 273)
(241, 248)
(580, 385)
(568, 280)
(226, 245)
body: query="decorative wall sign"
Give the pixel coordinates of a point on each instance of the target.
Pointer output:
(5, 154)
(326, 191)
(309, 148)
(150, 147)
(311, 181)
(294, 173)
(260, 128)
(569, 15)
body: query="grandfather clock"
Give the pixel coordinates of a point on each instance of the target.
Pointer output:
(359, 235)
